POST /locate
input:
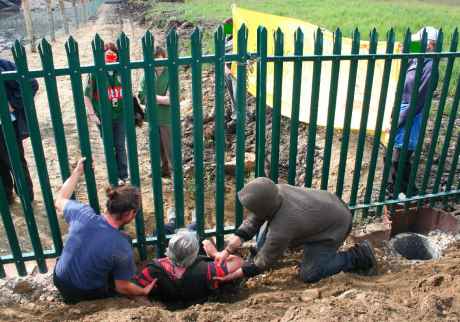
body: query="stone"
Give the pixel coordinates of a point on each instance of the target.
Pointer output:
(348, 294)
(310, 295)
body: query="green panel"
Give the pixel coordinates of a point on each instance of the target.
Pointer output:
(20, 59)
(154, 139)
(316, 83)
(219, 39)
(410, 118)
(379, 121)
(197, 98)
(394, 120)
(276, 114)
(241, 119)
(19, 176)
(106, 108)
(296, 89)
(10, 230)
(364, 118)
(73, 58)
(348, 113)
(331, 109)
(171, 41)
(128, 111)
(46, 55)
(439, 115)
(261, 100)
(426, 114)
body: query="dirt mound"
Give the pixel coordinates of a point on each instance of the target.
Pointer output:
(404, 290)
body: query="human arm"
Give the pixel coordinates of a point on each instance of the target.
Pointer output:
(67, 189)
(89, 90)
(128, 288)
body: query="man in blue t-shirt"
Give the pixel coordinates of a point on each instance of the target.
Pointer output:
(97, 260)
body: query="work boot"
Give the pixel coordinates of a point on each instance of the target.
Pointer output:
(363, 259)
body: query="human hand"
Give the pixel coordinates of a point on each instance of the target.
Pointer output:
(221, 256)
(93, 118)
(80, 168)
(10, 108)
(150, 287)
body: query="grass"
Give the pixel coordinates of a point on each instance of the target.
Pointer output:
(329, 14)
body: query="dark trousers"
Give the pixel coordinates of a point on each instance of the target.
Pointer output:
(5, 166)
(319, 260)
(394, 170)
(74, 295)
(119, 144)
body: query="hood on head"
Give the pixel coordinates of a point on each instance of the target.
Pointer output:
(261, 197)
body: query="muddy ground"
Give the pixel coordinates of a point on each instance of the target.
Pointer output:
(402, 291)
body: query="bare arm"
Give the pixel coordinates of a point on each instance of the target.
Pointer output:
(68, 187)
(91, 114)
(128, 288)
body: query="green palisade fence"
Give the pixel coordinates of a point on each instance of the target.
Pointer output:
(439, 148)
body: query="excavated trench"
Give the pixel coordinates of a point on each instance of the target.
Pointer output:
(417, 234)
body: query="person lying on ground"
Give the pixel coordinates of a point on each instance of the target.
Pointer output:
(183, 275)
(287, 216)
(97, 259)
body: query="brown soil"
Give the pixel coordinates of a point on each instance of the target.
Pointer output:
(403, 291)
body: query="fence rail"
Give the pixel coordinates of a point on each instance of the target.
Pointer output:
(373, 197)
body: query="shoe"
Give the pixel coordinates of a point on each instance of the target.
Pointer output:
(363, 259)
(122, 182)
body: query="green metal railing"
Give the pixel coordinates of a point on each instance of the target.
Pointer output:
(373, 197)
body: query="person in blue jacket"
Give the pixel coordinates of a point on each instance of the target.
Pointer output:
(432, 36)
(18, 117)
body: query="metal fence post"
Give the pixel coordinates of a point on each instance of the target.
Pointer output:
(296, 90)
(219, 45)
(278, 38)
(154, 138)
(197, 97)
(316, 83)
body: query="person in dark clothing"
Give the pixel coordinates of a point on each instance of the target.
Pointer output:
(288, 216)
(97, 260)
(115, 95)
(18, 118)
(432, 36)
(183, 275)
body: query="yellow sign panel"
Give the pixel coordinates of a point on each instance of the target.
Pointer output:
(254, 19)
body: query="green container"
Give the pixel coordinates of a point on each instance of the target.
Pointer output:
(228, 28)
(416, 47)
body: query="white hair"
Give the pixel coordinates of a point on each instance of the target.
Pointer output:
(183, 248)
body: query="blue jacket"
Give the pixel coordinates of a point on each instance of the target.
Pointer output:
(409, 85)
(13, 93)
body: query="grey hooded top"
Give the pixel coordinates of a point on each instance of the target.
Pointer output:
(296, 216)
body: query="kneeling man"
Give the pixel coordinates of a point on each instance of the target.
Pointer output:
(289, 216)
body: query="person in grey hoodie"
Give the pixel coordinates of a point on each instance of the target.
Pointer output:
(290, 216)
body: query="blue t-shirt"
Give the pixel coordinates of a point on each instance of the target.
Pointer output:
(94, 252)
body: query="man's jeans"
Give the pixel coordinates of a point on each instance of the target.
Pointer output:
(319, 260)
